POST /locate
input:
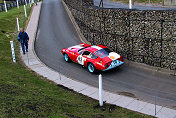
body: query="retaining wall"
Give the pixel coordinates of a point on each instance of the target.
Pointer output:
(146, 36)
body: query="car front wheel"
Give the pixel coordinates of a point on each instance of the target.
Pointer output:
(91, 68)
(66, 57)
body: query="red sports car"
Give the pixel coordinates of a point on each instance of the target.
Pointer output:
(95, 57)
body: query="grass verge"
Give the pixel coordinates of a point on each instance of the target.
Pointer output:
(25, 94)
(2, 1)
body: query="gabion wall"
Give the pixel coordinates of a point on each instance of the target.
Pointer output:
(142, 36)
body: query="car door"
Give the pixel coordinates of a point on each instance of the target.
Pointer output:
(90, 58)
(82, 58)
(79, 57)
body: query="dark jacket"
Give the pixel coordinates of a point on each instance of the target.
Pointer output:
(23, 37)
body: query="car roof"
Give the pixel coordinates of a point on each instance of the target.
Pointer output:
(94, 48)
(79, 46)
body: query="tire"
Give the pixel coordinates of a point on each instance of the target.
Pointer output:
(66, 57)
(91, 68)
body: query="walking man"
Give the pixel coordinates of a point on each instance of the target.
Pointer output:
(35, 2)
(23, 38)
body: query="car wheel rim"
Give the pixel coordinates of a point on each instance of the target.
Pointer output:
(91, 68)
(66, 57)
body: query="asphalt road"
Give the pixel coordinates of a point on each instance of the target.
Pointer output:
(111, 4)
(56, 31)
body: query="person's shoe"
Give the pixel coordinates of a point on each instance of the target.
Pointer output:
(23, 53)
(26, 50)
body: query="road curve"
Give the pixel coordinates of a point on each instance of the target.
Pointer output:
(55, 31)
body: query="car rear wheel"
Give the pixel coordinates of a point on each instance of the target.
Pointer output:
(91, 68)
(66, 57)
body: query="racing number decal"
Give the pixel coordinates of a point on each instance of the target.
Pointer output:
(81, 59)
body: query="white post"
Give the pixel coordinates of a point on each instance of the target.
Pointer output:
(17, 3)
(18, 27)
(5, 6)
(30, 3)
(100, 91)
(130, 4)
(26, 2)
(13, 51)
(25, 11)
(155, 100)
(149, 3)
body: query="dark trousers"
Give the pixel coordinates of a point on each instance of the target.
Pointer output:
(23, 45)
(35, 2)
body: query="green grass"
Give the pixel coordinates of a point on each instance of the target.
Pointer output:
(25, 94)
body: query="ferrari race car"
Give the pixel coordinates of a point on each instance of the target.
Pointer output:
(94, 57)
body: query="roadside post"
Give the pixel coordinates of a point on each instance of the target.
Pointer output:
(17, 4)
(27, 57)
(25, 11)
(130, 4)
(26, 2)
(100, 91)
(13, 51)
(5, 6)
(149, 3)
(30, 3)
(156, 93)
(18, 27)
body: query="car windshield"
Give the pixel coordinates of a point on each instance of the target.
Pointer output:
(81, 49)
(103, 52)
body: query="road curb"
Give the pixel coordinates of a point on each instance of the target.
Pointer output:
(33, 62)
(150, 68)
